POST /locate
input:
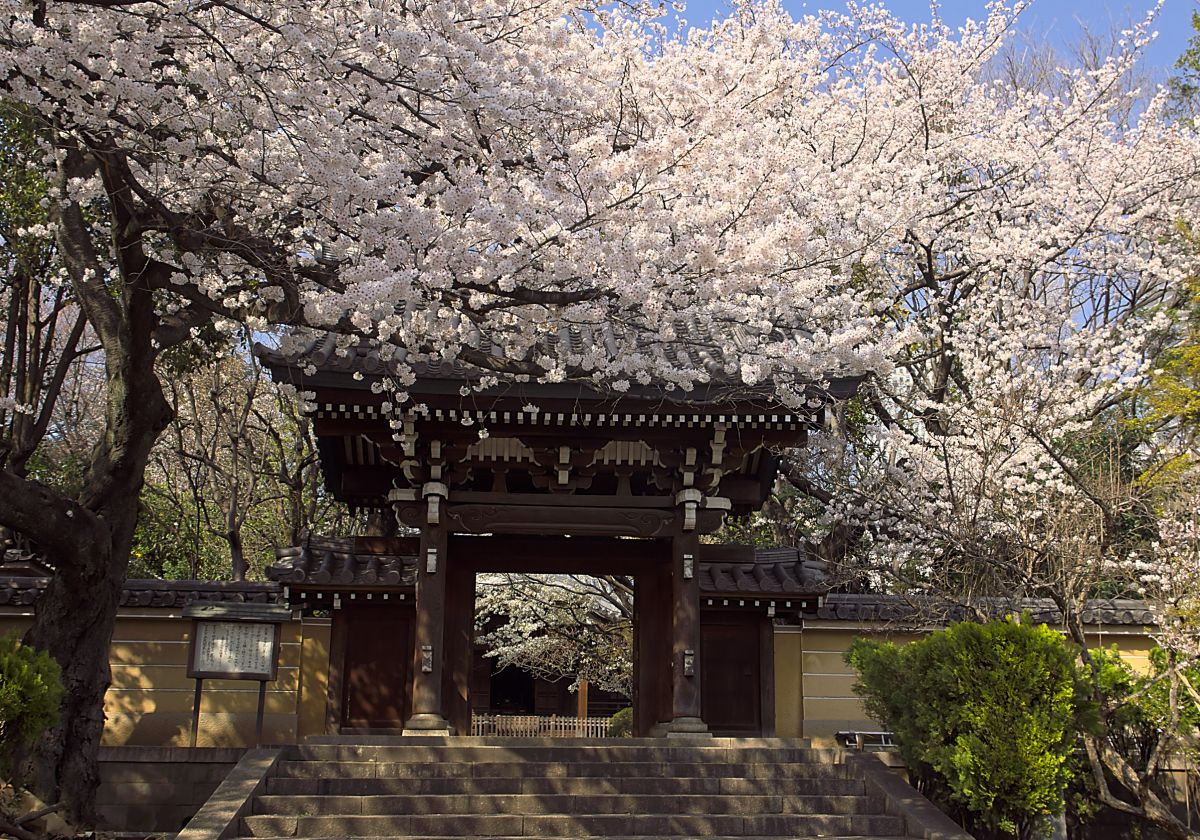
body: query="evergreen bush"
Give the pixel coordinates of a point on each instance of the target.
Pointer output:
(621, 724)
(31, 692)
(987, 717)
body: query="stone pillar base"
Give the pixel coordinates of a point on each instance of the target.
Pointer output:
(427, 724)
(688, 727)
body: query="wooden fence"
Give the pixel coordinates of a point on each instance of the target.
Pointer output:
(539, 726)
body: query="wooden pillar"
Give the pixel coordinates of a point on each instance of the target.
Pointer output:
(652, 650)
(643, 685)
(686, 713)
(335, 703)
(766, 671)
(638, 694)
(459, 640)
(581, 701)
(428, 710)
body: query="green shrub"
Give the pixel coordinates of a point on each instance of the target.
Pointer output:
(621, 725)
(987, 716)
(30, 694)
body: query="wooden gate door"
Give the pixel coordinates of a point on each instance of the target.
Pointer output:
(731, 670)
(378, 658)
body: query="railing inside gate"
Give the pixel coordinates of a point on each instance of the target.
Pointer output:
(539, 726)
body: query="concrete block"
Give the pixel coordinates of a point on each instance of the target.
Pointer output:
(921, 817)
(219, 817)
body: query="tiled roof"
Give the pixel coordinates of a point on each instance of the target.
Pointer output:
(24, 576)
(19, 590)
(323, 353)
(23, 564)
(350, 562)
(342, 561)
(332, 562)
(181, 593)
(336, 562)
(872, 607)
(715, 360)
(773, 571)
(702, 351)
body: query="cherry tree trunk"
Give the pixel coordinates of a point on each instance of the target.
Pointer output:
(237, 553)
(74, 622)
(88, 540)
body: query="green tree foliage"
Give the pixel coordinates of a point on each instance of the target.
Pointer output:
(987, 717)
(621, 724)
(30, 693)
(1175, 390)
(234, 477)
(1173, 395)
(1185, 85)
(24, 243)
(1146, 718)
(41, 327)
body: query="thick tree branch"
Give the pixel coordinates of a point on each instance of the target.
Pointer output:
(56, 524)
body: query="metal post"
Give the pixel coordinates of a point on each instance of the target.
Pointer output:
(196, 711)
(262, 702)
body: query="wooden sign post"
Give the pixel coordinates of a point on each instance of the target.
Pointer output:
(234, 642)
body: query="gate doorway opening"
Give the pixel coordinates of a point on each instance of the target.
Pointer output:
(373, 661)
(557, 645)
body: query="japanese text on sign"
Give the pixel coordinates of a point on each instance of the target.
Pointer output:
(227, 647)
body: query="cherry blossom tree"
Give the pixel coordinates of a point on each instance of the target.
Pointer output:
(991, 461)
(842, 195)
(44, 333)
(554, 626)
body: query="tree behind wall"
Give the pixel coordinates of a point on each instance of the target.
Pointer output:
(235, 477)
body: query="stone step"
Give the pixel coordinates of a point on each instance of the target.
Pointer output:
(606, 837)
(430, 787)
(332, 786)
(576, 825)
(558, 769)
(546, 753)
(538, 804)
(383, 739)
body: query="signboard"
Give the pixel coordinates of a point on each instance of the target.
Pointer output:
(235, 650)
(235, 641)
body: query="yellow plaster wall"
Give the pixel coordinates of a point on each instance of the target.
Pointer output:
(789, 683)
(314, 678)
(829, 703)
(1133, 647)
(814, 696)
(152, 703)
(13, 624)
(150, 700)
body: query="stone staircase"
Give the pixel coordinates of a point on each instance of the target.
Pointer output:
(379, 786)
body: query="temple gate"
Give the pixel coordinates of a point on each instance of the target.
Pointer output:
(546, 478)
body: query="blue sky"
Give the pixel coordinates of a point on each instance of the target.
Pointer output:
(1053, 18)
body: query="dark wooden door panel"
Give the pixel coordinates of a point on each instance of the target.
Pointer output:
(730, 670)
(378, 657)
